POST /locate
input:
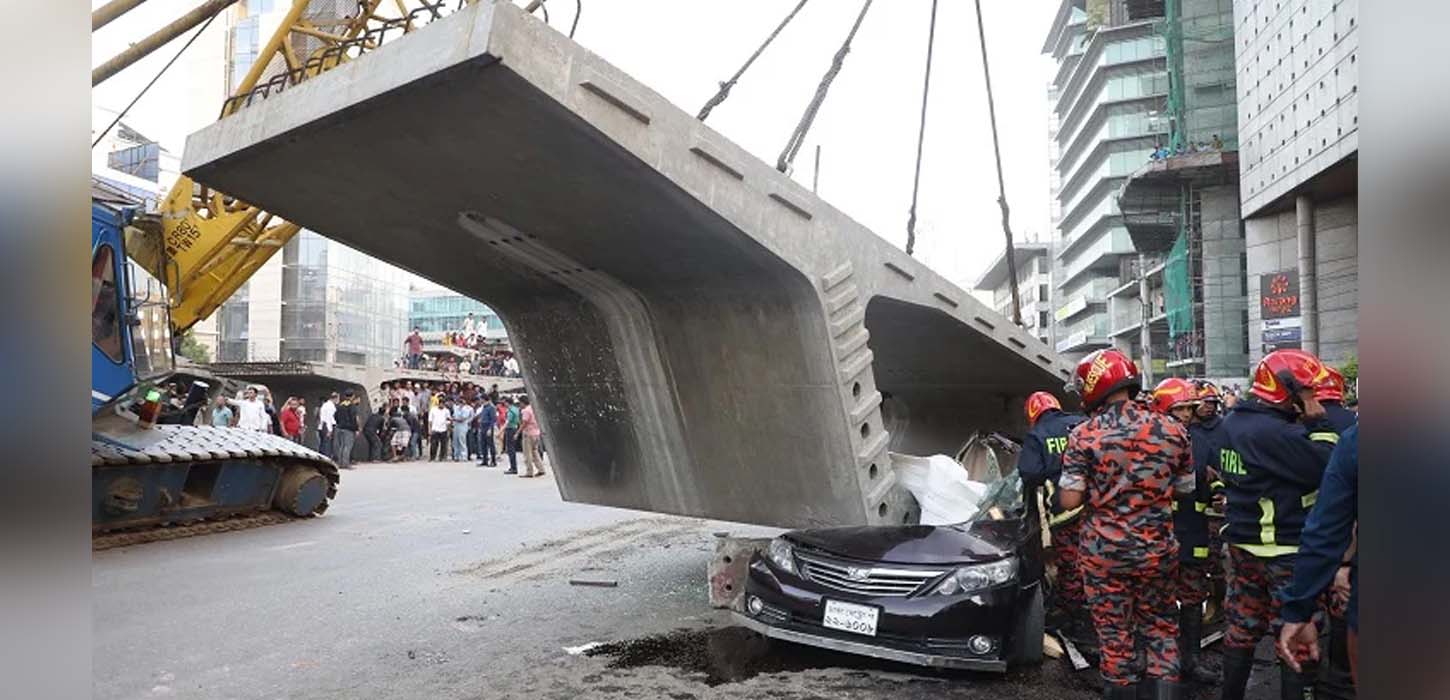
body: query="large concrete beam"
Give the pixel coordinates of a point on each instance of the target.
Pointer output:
(701, 334)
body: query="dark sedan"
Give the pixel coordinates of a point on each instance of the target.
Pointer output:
(965, 596)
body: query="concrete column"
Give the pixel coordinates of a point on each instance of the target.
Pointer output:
(1308, 278)
(1145, 332)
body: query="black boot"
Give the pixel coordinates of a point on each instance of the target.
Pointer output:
(1120, 692)
(1159, 689)
(1190, 643)
(1237, 664)
(1297, 685)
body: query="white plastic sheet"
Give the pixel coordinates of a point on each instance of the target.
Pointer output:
(941, 487)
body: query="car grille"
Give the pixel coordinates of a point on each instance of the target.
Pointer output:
(865, 579)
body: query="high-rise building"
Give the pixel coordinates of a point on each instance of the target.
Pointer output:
(1181, 307)
(1034, 287)
(1108, 97)
(1298, 94)
(316, 299)
(1148, 254)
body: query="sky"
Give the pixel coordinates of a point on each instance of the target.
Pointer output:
(866, 128)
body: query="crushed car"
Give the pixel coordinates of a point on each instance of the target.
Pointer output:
(964, 595)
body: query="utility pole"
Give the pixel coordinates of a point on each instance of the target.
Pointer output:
(816, 174)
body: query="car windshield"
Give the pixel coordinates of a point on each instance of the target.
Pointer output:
(1003, 499)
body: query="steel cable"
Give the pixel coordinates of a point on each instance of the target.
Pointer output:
(921, 133)
(725, 87)
(798, 136)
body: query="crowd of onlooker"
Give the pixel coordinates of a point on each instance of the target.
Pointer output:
(1161, 152)
(468, 353)
(454, 421)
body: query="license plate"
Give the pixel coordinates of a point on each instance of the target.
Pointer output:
(850, 617)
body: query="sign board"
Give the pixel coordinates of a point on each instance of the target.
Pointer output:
(1282, 323)
(1283, 333)
(1279, 294)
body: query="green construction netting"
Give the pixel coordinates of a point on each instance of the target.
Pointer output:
(1178, 288)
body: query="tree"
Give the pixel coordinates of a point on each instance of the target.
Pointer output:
(192, 349)
(1350, 370)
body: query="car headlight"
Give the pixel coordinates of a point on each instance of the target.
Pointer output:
(978, 577)
(781, 554)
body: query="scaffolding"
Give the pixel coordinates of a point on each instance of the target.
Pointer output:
(1163, 204)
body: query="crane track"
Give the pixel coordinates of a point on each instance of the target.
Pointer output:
(111, 540)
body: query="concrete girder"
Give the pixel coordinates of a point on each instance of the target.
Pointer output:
(701, 335)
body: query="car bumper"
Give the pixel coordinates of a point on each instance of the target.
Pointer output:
(925, 631)
(869, 649)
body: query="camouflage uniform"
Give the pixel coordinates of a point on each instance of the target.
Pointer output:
(1255, 587)
(1130, 462)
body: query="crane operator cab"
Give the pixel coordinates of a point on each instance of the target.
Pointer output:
(130, 328)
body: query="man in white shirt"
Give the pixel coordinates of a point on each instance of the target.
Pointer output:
(438, 432)
(327, 425)
(251, 412)
(469, 325)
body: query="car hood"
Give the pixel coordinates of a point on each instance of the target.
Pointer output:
(918, 544)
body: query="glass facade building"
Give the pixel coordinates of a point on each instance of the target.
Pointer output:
(316, 300)
(440, 310)
(1108, 99)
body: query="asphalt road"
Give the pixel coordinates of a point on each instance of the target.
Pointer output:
(447, 581)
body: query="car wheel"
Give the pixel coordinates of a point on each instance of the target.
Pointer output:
(1027, 632)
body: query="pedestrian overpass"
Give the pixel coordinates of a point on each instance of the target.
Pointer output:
(701, 335)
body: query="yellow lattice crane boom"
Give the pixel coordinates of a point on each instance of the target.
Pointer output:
(204, 245)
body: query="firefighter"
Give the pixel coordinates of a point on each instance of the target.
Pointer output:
(1210, 403)
(1127, 462)
(1336, 679)
(1272, 470)
(1209, 443)
(1180, 398)
(1330, 394)
(1040, 464)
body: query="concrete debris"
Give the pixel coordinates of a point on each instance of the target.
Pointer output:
(582, 648)
(1079, 662)
(594, 582)
(1051, 648)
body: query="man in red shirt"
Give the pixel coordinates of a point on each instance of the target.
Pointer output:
(291, 420)
(1126, 463)
(414, 342)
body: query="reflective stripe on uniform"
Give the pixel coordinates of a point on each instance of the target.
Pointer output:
(1269, 551)
(1200, 506)
(1266, 521)
(1331, 438)
(1308, 499)
(1064, 517)
(1200, 552)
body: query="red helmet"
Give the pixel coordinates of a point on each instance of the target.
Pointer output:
(1282, 374)
(1103, 372)
(1038, 403)
(1172, 393)
(1331, 388)
(1208, 392)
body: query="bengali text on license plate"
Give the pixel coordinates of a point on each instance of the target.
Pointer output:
(850, 617)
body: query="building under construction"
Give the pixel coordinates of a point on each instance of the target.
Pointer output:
(1181, 304)
(1150, 248)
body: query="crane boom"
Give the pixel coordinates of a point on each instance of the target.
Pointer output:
(206, 244)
